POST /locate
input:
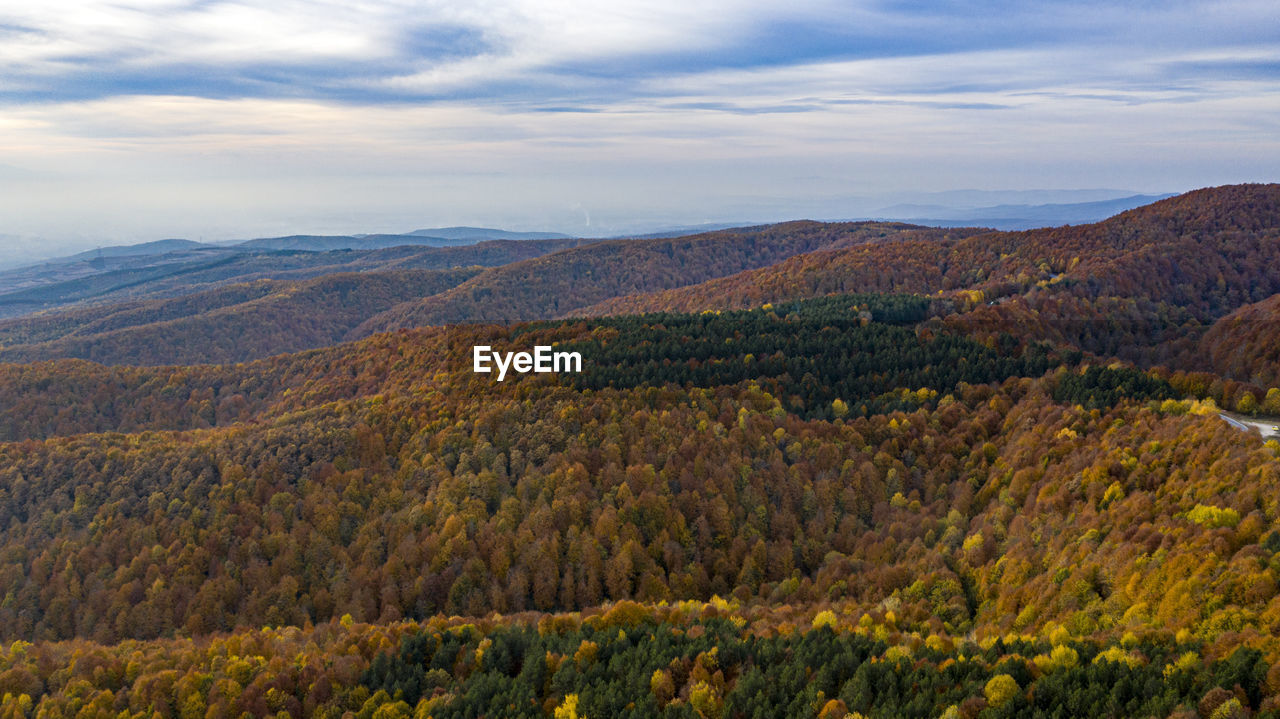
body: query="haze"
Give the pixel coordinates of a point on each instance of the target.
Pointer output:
(129, 122)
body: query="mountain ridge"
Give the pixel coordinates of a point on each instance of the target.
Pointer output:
(559, 283)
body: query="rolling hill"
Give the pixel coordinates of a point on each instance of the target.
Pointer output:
(171, 274)
(1172, 251)
(1017, 217)
(233, 323)
(559, 284)
(1246, 345)
(1143, 285)
(352, 499)
(851, 468)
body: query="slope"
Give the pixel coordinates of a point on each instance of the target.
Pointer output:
(383, 479)
(561, 283)
(1173, 251)
(1246, 345)
(227, 324)
(129, 277)
(1143, 285)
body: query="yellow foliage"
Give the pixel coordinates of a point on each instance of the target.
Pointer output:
(938, 644)
(1118, 656)
(1059, 635)
(839, 408)
(1001, 689)
(825, 618)
(1136, 614)
(1062, 657)
(721, 604)
(568, 709)
(1186, 663)
(1205, 408)
(1230, 709)
(1213, 517)
(390, 710)
(896, 653)
(834, 709)
(1114, 493)
(662, 686)
(703, 698)
(586, 654)
(1248, 404)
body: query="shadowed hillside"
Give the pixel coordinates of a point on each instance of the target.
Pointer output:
(228, 324)
(560, 284)
(81, 280)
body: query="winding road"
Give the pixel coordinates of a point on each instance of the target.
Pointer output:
(1268, 428)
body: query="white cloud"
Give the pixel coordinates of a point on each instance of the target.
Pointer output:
(155, 118)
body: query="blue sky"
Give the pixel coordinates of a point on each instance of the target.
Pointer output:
(140, 119)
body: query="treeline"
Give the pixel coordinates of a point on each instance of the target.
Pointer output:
(840, 354)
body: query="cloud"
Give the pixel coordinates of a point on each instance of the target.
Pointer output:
(166, 117)
(522, 50)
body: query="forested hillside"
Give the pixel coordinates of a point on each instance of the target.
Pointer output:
(1208, 251)
(560, 284)
(1246, 343)
(227, 324)
(133, 277)
(1144, 285)
(869, 480)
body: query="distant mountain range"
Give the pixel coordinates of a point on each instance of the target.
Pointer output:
(476, 234)
(1015, 217)
(137, 270)
(159, 247)
(971, 208)
(432, 237)
(1002, 210)
(437, 237)
(171, 267)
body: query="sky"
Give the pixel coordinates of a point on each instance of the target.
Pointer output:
(136, 120)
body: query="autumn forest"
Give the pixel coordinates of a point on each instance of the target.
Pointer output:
(810, 469)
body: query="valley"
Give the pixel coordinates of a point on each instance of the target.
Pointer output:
(805, 469)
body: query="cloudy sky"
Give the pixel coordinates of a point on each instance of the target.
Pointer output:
(134, 120)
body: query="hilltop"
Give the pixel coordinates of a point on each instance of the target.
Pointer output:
(833, 468)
